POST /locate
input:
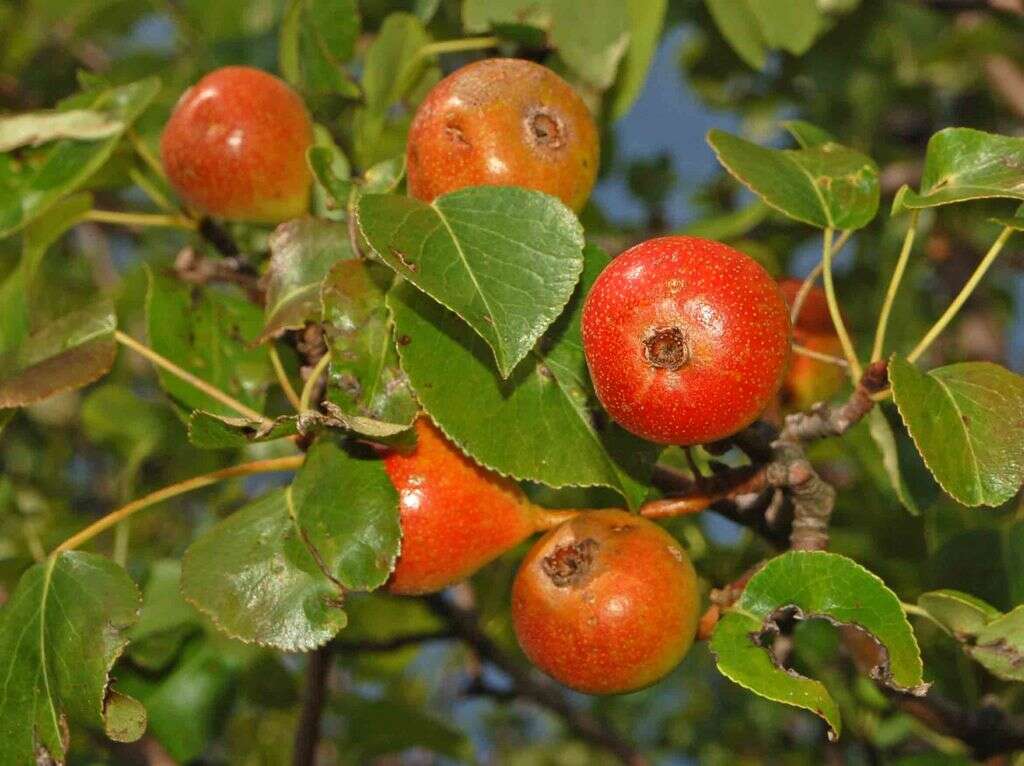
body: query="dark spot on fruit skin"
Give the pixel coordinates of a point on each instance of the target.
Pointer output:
(404, 340)
(455, 135)
(545, 128)
(569, 564)
(666, 348)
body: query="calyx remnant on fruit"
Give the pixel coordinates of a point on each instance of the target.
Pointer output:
(666, 347)
(570, 564)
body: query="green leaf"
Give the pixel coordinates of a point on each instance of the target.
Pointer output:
(792, 25)
(999, 646)
(591, 37)
(962, 614)
(208, 332)
(827, 185)
(963, 164)
(736, 21)
(317, 37)
(729, 226)
(807, 135)
(301, 253)
(332, 171)
(807, 585)
(885, 441)
(69, 353)
(484, 15)
(967, 421)
(504, 259)
(18, 292)
(38, 128)
(69, 163)
(186, 707)
(394, 72)
(365, 379)
(646, 19)
(377, 728)
(60, 633)
(258, 581)
(209, 431)
(166, 619)
(542, 423)
(348, 510)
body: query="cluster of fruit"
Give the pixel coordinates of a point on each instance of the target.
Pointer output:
(687, 341)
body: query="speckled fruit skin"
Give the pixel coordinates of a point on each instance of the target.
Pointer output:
(686, 339)
(606, 603)
(503, 122)
(455, 516)
(807, 380)
(235, 147)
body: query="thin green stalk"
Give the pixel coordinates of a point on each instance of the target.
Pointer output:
(457, 46)
(282, 379)
(808, 283)
(210, 390)
(141, 219)
(894, 285)
(116, 517)
(810, 353)
(833, 307)
(961, 299)
(314, 376)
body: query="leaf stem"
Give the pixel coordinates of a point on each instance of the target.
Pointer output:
(196, 482)
(314, 376)
(212, 391)
(833, 307)
(961, 299)
(145, 154)
(821, 357)
(457, 46)
(158, 198)
(808, 283)
(141, 219)
(282, 379)
(894, 285)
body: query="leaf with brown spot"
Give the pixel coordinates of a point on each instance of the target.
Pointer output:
(69, 353)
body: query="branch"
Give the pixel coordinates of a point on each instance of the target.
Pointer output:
(465, 625)
(987, 730)
(394, 643)
(307, 733)
(191, 267)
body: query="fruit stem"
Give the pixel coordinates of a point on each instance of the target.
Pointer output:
(833, 307)
(744, 483)
(457, 46)
(810, 279)
(821, 357)
(212, 391)
(283, 381)
(141, 219)
(314, 376)
(894, 285)
(196, 482)
(158, 198)
(961, 299)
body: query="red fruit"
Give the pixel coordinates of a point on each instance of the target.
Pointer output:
(686, 339)
(456, 516)
(606, 603)
(235, 147)
(503, 122)
(808, 380)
